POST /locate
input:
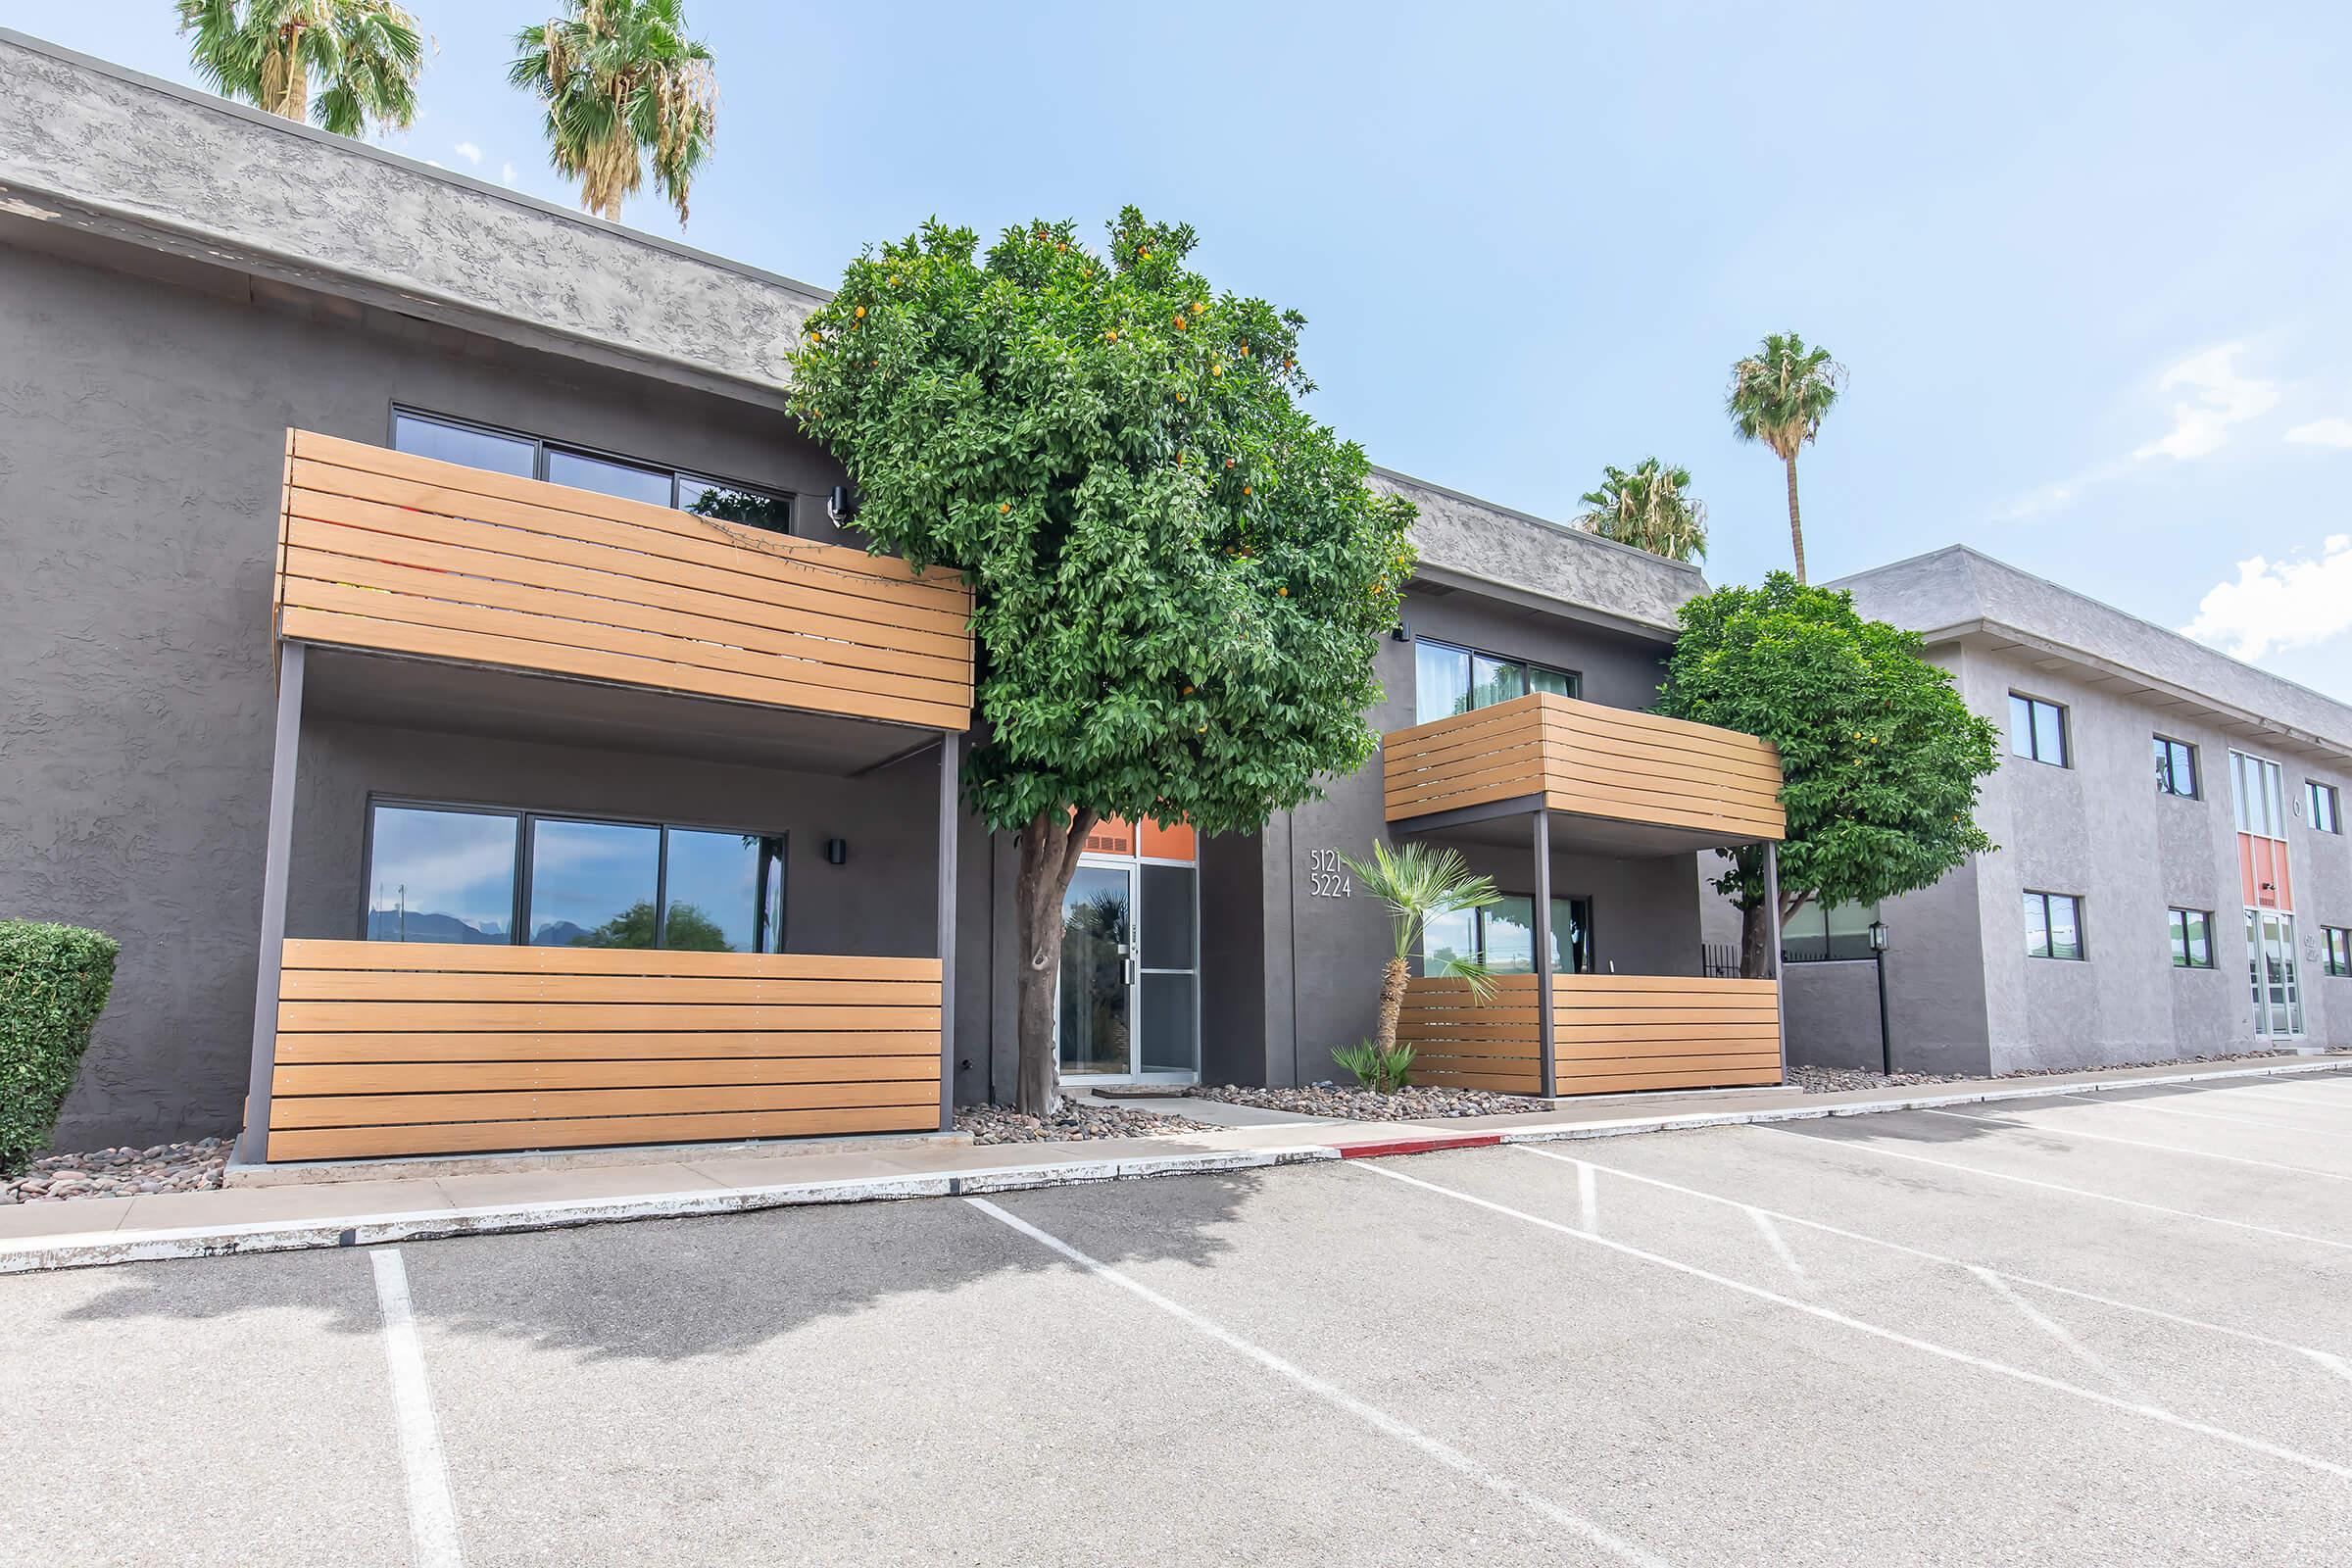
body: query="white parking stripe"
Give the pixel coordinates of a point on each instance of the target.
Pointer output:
(2059, 1187)
(1450, 1457)
(432, 1511)
(2201, 1115)
(2334, 1363)
(1588, 1200)
(2012, 1122)
(1827, 1314)
(2050, 1325)
(1780, 1247)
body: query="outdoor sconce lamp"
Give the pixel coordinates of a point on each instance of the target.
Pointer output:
(837, 851)
(841, 506)
(1878, 936)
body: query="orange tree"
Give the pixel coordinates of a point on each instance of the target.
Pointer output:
(1180, 579)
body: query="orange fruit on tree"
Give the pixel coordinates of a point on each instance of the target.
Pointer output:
(861, 313)
(1006, 507)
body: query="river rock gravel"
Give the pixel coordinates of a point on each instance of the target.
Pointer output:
(191, 1167)
(1413, 1103)
(1074, 1123)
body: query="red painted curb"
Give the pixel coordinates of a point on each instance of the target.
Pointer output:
(1416, 1145)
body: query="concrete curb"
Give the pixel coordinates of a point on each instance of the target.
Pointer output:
(96, 1249)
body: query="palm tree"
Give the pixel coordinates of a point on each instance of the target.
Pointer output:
(1420, 882)
(364, 53)
(1778, 395)
(1649, 509)
(620, 78)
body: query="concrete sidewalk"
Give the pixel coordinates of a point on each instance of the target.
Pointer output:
(688, 1180)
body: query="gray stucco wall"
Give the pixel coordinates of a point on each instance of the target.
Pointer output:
(142, 433)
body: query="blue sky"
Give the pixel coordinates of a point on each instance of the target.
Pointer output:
(2087, 264)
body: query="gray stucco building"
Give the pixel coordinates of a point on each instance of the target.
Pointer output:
(2173, 877)
(436, 662)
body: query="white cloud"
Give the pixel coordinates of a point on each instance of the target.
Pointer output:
(2322, 433)
(2218, 397)
(2284, 603)
(470, 152)
(506, 173)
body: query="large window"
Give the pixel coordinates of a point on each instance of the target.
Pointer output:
(476, 446)
(2192, 938)
(2259, 793)
(1815, 933)
(2336, 944)
(2053, 925)
(443, 873)
(2176, 769)
(2037, 731)
(1449, 680)
(1502, 936)
(2326, 812)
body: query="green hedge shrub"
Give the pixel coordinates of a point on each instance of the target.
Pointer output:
(54, 981)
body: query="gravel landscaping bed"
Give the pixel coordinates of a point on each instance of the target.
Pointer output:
(121, 1172)
(1414, 1102)
(1836, 1080)
(1074, 1123)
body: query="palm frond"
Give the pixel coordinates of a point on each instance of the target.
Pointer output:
(1419, 882)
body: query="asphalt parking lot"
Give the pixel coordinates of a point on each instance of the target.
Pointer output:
(2110, 1329)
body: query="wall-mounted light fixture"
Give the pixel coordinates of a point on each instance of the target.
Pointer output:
(842, 505)
(837, 851)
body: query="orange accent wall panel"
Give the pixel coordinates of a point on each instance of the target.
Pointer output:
(2262, 873)
(1169, 843)
(389, 551)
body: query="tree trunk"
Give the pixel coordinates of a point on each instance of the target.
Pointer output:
(1755, 941)
(1049, 851)
(1796, 528)
(1391, 1000)
(285, 80)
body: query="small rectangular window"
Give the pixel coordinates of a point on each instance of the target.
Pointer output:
(1502, 936)
(2192, 938)
(2176, 769)
(1558, 682)
(734, 503)
(469, 446)
(627, 480)
(2037, 731)
(2338, 941)
(1440, 681)
(438, 874)
(2324, 813)
(1449, 680)
(2053, 925)
(1495, 680)
(594, 884)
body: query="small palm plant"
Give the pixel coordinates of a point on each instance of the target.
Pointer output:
(622, 79)
(1649, 508)
(1778, 395)
(364, 54)
(1419, 883)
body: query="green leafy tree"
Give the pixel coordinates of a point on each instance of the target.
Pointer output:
(689, 929)
(1649, 508)
(1779, 396)
(1882, 759)
(1419, 882)
(621, 80)
(1180, 579)
(363, 55)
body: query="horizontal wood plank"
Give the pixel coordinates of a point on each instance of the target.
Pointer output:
(316, 952)
(594, 1046)
(400, 1077)
(396, 985)
(597, 1132)
(380, 1111)
(559, 1017)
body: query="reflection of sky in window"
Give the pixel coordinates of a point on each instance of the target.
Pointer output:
(452, 864)
(716, 874)
(587, 875)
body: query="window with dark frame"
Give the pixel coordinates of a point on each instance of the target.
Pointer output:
(2037, 731)
(1502, 935)
(2176, 769)
(2053, 925)
(474, 874)
(2327, 814)
(2335, 942)
(2192, 938)
(529, 456)
(1817, 934)
(1451, 680)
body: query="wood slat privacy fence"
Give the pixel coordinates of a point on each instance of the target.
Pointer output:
(385, 550)
(389, 1048)
(1611, 1033)
(1588, 761)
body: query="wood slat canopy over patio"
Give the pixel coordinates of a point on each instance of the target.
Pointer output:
(1612, 1033)
(389, 1048)
(1584, 759)
(391, 552)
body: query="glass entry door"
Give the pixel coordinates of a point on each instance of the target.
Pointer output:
(2271, 966)
(1097, 1016)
